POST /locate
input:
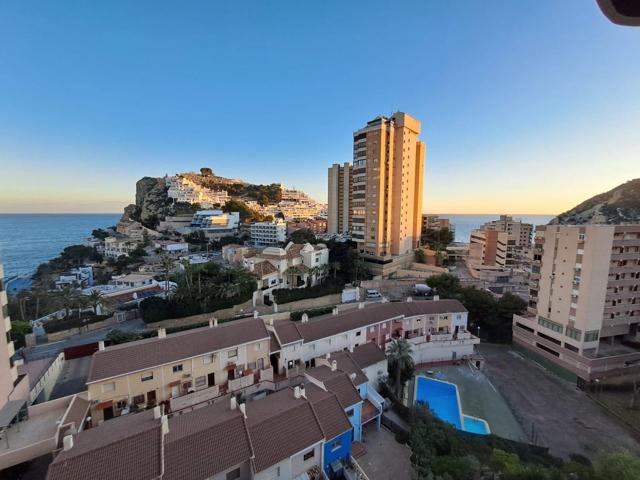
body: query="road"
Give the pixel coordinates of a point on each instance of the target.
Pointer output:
(53, 348)
(73, 378)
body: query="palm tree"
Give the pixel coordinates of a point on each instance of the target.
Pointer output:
(399, 353)
(360, 266)
(291, 274)
(167, 264)
(95, 299)
(38, 294)
(66, 298)
(334, 266)
(23, 297)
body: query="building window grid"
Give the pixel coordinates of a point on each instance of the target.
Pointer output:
(553, 326)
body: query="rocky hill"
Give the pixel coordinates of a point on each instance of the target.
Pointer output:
(620, 205)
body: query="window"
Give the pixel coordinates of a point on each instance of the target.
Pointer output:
(177, 368)
(138, 399)
(309, 455)
(556, 327)
(108, 387)
(201, 381)
(233, 353)
(146, 377)
(591, 336)
(358, 333)
(207, 359)
(350, 413)
(337, 445)
(233, 474)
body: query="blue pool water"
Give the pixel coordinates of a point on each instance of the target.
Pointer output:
(443, 399)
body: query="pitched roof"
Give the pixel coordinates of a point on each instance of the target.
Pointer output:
(336, 382)
(125, 447)
(144, 354)
(368, 354)
(281, 425)
(216, 430)
(328, 325)
(274, 345)
(347, 364)
(333, 419)
(264, 268)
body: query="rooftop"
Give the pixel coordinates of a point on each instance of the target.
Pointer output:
(324, 326)
(144, 354)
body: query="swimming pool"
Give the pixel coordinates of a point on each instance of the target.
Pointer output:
(444, 400)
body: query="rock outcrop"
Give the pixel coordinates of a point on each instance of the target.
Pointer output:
(620, 205)
(152, 203)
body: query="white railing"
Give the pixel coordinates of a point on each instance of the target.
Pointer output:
(242, 382)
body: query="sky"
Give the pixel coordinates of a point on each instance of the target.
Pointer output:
(527, 106)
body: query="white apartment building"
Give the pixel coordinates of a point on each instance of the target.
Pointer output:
(116, 247)
(216, 223)
(184, 190)
(584, 310)
(265, 234)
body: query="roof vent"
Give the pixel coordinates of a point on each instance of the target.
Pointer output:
(67, 443)
(296, 392)
(305, 318)
(334, 365)
(162, 332)
(243, 409)
(101, 345)
(353, 376)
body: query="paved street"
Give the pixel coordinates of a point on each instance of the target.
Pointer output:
(552, 411)
(52, 349)
(72, 378)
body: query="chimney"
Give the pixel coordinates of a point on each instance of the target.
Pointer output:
(271, 321)
(335, 311)
(361, 305)
(243, 409)
(255, 314)
(296, 392)
(101, 345)
(164, 423)
(334, 365)
(211, 323)
(328, 356)
(303, 393)
(353, 377)
(234, 403)
(409, 299)
(436, 298)
(162, 332)
(156, 412)
(351, 348)
(215, 322)
(67, 443)
(251, 266)
(305, 318)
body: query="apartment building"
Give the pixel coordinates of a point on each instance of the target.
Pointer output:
(215, 223)
(585, 300)
(383, 209)
(488, 248)
(265, 234)
(13, 388)
(180, 369)
(116, 247)
(317, 225)
(519, 236)
(339, 195)
(297, 433)
(435, 222)
(436, 329)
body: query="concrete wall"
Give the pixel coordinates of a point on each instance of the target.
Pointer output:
(61, 335)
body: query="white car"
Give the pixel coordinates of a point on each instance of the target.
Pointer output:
(373, 294)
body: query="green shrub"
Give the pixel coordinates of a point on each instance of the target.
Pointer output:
(282, 295)
(312, 312)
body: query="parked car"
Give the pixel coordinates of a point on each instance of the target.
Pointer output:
(373, 294)
(422, 289)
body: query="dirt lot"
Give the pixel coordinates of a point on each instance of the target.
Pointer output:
(553, 412)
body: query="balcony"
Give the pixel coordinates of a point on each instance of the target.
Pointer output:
(194, 398)
(243, 382)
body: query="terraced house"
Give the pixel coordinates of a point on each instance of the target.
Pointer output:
(180, 369)
(297, 433)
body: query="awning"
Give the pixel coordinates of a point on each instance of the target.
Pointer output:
(9, 412)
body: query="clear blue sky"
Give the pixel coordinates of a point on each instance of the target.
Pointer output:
(526, 106)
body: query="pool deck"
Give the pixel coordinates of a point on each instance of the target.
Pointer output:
(480, 399)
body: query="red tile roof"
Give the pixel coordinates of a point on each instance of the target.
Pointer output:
(125, 447)
(368, 354)
(328, 325)
(336, 382)
(145, 354)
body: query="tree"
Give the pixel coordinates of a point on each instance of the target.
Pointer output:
(419, 255)
(206, 172)
(303, 235)
(167, 263)
(66, 298)
(116, 337)
(99, 233)
(437, 239)
(617, 466)
(18, 331)
(95, 298)
(445, 285)
(400, 360)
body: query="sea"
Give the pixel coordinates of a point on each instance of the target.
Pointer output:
(27, 240)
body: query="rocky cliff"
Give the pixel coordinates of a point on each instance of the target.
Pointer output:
(620, 205)
(152, 203)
